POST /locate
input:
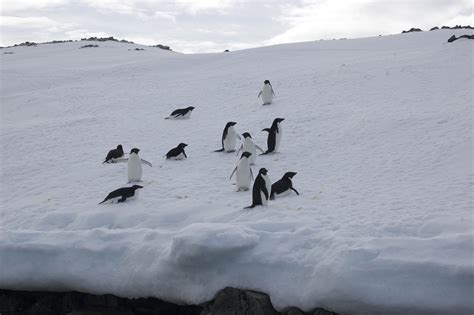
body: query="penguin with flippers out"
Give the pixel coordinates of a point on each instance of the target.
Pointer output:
(134, 165)
(122, 194)
(266, 93)
(249, 146)
(243, 171)
(274, 136)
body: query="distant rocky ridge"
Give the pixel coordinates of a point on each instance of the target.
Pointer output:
(456, 27)
(229, 301)
(98, 39)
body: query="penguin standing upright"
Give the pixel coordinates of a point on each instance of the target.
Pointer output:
(122, 194)
(260, 190)
(181, 113)
(249, 146)
(243, 172)
(177, 153)
(274, 136)
(266, 92)
(134, 165)
(229, 138)
(283, 186)
(114, 154)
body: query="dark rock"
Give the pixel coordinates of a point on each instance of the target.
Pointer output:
(8, 53)
(227, 50)
(434, 28)
(453, 38)
(90, 46)
(322, 311)
(292, 311)
(162, 47)
(413, 29)
(231, 301)
(138, 49)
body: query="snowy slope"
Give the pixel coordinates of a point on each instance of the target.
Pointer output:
(378, 129)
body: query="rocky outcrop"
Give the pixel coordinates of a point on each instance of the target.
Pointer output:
(453, 38)
(229, 301)
(413, 29)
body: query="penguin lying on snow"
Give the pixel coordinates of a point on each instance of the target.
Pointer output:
(283, 186)
(121, 194)
(244, 174)
(274, 136)
(114, 154)
(181, 113)
(229, 138)
(177, 153)
(266, 93)
(260, 190)
(134, 166)
(249, 146)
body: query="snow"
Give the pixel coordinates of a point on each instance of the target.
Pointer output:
(378, 129)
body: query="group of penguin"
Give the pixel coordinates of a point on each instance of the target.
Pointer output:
(262, 189)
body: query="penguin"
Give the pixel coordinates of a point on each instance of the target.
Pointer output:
(114, 154)
(266, 93)
(274, 136)
(181, 113)
(177, 153)
(134, 165)
(122, 193)
(249, 146)
(244, 174)
(283, 186)
(229, 138)
(260, 191)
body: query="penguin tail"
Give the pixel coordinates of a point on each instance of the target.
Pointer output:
(250, 207)
(168, 117)
(220, 150)
(102, 201)
(265, 153)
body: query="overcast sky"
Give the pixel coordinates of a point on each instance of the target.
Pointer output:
(212, 26)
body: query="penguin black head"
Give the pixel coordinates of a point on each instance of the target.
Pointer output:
(119, 147)
(137, 187)
(277, 120)
(289, 174)
(230, 123)
(182, 145)
(190, 108)
(247, 135)
(263, 171)
(266, 82)
(246, 154)
(134, 150)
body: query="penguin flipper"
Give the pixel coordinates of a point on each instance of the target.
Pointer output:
(241, 146)
(295, 191)
(146, 163)
(259, 93)
(235, 169)
(256, 146)
(251, 173)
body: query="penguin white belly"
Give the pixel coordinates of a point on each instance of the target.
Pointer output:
(230, 140)
(134, 169)
(187, 115)
(283, 194)
(264, 199)
(278, 138)
(249, 146)
(267, 96)
(179, 157)
(243, 177)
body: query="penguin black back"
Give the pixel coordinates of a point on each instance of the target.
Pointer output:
(271, 140)
(259, 187)
(224, 134)
(114, 154)
(177, 151)
(283, 185)
(123, 193)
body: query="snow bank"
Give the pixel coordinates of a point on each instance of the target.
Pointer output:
(378, 129)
